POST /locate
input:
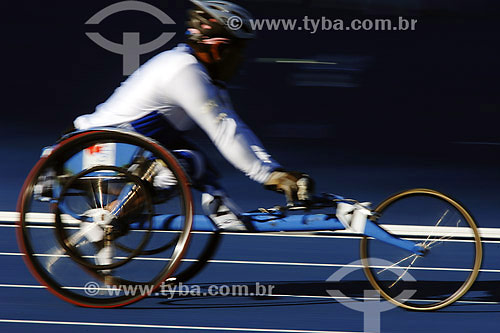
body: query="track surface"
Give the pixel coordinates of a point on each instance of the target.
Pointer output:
(297, 266)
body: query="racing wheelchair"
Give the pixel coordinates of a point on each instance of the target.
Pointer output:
(97, 233)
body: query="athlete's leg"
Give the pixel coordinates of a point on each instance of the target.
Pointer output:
(193, 160)
(216, 203)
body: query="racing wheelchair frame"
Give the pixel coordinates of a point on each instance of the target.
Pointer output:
(72, 228)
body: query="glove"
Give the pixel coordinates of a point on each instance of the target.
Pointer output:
(295, 185)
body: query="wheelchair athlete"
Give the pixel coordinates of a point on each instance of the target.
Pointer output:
(185, 86)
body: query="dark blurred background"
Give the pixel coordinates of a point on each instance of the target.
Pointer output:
(438, 84)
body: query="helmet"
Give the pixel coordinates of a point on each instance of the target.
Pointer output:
(219, 19)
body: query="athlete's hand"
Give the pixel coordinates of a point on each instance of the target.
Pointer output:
(295, 185)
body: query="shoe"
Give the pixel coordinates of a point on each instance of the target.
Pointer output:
(225, 219)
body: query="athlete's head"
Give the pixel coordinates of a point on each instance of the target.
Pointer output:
(218, 31)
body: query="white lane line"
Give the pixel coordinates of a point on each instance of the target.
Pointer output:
(342, 265)
(309, 234)
(172, 327)
(37, 217)
(4, 285)
(277, 263)
(408, 230)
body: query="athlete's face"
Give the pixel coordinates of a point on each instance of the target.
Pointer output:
(231, 59)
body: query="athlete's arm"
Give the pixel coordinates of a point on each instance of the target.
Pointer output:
(211, 109)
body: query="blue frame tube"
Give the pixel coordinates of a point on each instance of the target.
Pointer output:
(264, 222)
(373, 230)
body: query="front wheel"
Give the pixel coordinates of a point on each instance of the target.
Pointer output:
(452, 245)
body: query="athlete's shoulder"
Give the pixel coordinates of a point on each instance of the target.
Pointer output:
(178, 57)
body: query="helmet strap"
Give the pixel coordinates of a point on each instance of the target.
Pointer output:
(204, 56)
(210, 52)
(214, 50)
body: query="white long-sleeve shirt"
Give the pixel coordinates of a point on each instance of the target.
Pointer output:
(176, 85)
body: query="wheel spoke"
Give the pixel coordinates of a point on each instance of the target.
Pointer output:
(397, 263)
(404, 272)
(441, 239)
(437, 224)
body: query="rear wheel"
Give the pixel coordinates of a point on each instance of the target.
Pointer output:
(92, 226)
(453, 251)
